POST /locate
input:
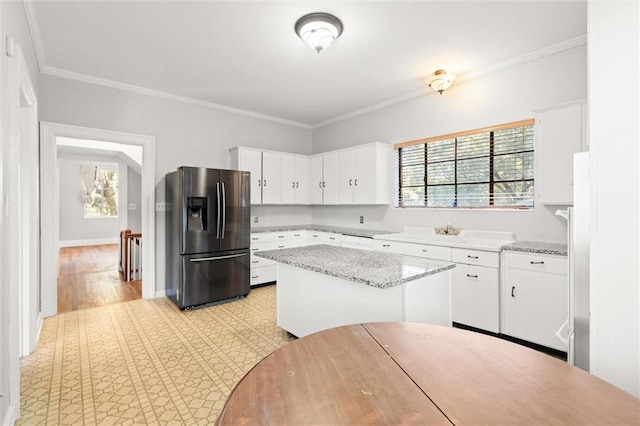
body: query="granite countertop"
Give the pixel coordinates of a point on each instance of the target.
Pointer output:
(381, 270)
(537, 247)
(354, 232)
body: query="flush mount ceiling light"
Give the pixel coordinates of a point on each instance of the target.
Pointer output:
(440, 81)
(318, 30)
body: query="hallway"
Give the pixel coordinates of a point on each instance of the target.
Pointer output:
(88, 277)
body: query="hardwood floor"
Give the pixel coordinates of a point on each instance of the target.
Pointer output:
(89, 277)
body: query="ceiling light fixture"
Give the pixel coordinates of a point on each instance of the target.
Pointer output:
(318, 30)
(440, 81)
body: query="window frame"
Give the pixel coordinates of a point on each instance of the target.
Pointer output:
(106, 167)
(491, 157)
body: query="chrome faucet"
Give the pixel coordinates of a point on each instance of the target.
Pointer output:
(446, 231)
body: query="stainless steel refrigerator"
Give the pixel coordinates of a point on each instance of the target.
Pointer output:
(207, 235)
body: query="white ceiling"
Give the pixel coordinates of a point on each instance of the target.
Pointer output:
(245, 54)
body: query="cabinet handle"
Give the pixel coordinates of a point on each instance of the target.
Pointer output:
(264, 183)
(293, 184)
(513, 292)
(259, 182)
(296, 235)
(280, 246)
(255, 238)
(332, 238)
(472, 257)
(537, 263)
(319, 184)
(254, 276)
(425, 250)
(314, 235)
(255, 261)
(280, 236)
(350, 182)
(297, 184)
(324, 184)
(472, 276)
(386, 245)
(355, 182)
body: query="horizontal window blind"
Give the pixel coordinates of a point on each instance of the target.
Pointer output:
(489, 167)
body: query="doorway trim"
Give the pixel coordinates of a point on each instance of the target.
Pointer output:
(50, 211)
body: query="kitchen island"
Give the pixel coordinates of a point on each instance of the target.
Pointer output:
(323, 286)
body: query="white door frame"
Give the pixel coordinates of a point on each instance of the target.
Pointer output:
(50, 212)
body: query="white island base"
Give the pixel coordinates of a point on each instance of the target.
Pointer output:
(310, 301)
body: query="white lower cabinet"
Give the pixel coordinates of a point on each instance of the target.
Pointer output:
(534, 297)
(475, 297)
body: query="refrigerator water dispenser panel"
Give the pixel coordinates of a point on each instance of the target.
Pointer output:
(196, 213)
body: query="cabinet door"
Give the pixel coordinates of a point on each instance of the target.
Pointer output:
(302, 193)
(364, 175)
(535, 306)
(252, 161)
(315, 180)
(271, 178)
(330, 178)
(475, 297)
(345, 177)
(288, 175)
(559, 136)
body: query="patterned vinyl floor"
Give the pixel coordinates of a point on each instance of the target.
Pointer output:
(145, 361)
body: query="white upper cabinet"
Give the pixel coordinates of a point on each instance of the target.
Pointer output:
(250, 160)
(560, 132)
(316, 194)
(358, 175)
(364, 174)
(295, 179)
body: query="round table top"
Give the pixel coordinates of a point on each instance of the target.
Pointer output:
(408, 373)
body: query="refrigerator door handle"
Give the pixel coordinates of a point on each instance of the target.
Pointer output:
(224, 212)
(218, 210)
(207, 259)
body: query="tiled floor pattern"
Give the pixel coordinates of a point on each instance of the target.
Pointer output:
(145, 361)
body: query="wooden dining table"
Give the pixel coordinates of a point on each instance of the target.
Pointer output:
(410, 373)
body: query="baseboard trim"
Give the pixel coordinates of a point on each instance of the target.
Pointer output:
(92, 242)
(160, 293)
(12, 415)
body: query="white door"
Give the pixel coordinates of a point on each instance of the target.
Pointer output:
(302, 193)
(315, 180)
(364, 175)
(271, 178)
(535, 306)
(252, 161)
(345, 177)
(288, 176)
(330, 178)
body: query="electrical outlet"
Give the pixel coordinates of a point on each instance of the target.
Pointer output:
(361, 219)
(132, 206)
(161, 206)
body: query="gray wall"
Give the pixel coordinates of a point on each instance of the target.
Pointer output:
(74, 228)
(506, 96)
(134, 196)
(185, 134)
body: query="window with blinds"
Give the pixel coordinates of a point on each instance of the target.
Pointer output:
(491, 167)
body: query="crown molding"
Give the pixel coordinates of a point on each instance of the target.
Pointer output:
(71, 75)
(472, 75)
(34, 29)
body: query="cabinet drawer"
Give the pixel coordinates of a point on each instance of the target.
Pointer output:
(387, 246)
(264, 274)
(257, 262)
(475, 297)
(475, 257)
(357, 242)
(430, 252)
(536, 262)
(263, 237)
